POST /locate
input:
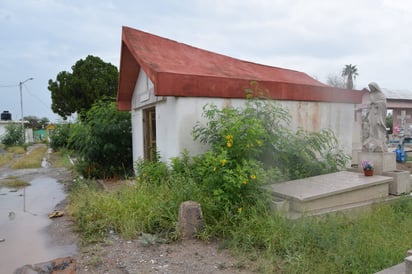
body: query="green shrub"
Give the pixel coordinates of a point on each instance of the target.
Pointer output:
(259, 131)
(59, 137)
(14, 135)
(103, 142)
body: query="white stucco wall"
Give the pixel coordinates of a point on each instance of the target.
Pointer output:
(28, 131)
(315, 116)
(176, 116)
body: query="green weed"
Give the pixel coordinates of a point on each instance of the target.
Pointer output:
(13, 183)
(31, 160)
(6, 158)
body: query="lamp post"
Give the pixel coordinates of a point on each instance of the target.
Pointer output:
(21, 107)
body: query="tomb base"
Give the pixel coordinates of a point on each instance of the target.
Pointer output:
(401, 181)
(382, 161)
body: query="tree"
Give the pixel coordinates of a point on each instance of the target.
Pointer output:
(91, 79)
(350, 72)
(335, 81)
(103, 141)
(36, 123)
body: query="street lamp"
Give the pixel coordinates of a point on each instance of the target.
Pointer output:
(21, 107)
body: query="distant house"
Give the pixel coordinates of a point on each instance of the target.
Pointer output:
(165, 84)
(49, 131)
(400, 102)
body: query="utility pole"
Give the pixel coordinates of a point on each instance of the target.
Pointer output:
(21, 107)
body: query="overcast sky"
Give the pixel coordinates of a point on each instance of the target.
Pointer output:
(40, 38)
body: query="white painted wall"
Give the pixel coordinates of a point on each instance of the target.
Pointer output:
(28, 131)
(2, 128)
(315, 116)
(176, 116)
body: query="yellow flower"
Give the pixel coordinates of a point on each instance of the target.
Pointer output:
(229, 139)
(223, 162)
(253, 176)
(239, 210)
(245, 182)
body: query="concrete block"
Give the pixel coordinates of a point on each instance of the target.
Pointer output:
(190, 219)
(343, 188)
(280, 205)
(401, 181)
(382, 161)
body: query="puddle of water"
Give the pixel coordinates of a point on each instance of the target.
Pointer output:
(23, 221)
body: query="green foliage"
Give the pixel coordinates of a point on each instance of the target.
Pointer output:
(13, 135)
(259, 132)
(304, 154)
(59, 137)
(91, 79)
(103, 141)
(143, 207)
(152, 172)
(36, 123)
(328, 244)
(350, 72)
(31, 160)
(232, 184)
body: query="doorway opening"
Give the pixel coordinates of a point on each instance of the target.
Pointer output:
(149, 133)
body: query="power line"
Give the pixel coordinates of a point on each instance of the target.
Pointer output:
(35, 96)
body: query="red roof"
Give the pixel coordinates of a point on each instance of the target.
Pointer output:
(178, 69)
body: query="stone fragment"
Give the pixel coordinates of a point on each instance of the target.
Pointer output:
(65, 265)
(55, 213)
(190, 219)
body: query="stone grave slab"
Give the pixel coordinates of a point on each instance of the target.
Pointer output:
(330, 191)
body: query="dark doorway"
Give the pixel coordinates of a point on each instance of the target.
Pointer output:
(149, 128)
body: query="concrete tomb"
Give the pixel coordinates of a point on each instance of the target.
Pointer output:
(328, 193)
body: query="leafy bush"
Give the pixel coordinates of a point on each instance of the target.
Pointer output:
(259, 132)
(13, 136)
(103, 142)
(60, 136)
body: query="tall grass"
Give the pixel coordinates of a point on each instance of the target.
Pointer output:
(128, 210)
(31, 160)
(365, 243)
(5, 158)
(16, 149)
(61, 158)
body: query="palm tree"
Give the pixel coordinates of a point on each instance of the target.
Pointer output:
(350, 72)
